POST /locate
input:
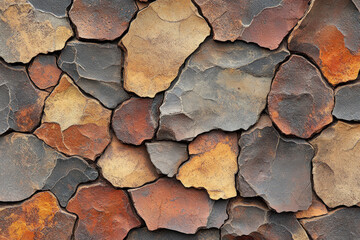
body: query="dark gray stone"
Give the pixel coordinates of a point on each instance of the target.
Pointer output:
(56, 7)
(347, 100)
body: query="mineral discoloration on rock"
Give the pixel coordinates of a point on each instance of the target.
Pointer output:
(163, 234)
(317, 208)
(55, 7)
(44, 72)
(347, 98)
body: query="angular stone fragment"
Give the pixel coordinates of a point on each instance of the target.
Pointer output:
(56, 7)
(228, 82)
(300, 102)
(126, 166)
(167, 156)
(73, 123)
(44, 72)
(263, 22)
(163, 234)
(347, 100)
(317, 208)
(136, 120)
(95, 68)
(357, 4)
(155, 54)
(330, 35)
(335, 163)
(39, 217)
(275, 168)
(21, 103)
(104, 212)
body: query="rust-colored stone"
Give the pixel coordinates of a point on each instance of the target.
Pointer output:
(44, 72)
(317, 208)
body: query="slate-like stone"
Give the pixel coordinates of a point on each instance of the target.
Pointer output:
(300, 102)
(330, 35)
(335, 164)
(229, 83)
(102, 19)
(275, 168)
(73, 123)
(163, 234)
(263, 22)
(317, 208)
(104, 212)
(39, 217)
(357, 4)
(212, 164)
(21, 103)
(96, 69)
(347, 100)
(56, 7)
(126, 165)
(167, 156)
(159, 40)
(44, 72)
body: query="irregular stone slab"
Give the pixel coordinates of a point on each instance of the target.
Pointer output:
(212, 164)
(96, 69)
(330, 35)
(317, 208)
(102, 20)
(300, 102)
(55, 7)
(334, 181)
(126, 166)
(263, 22)
(39, 217)
(163, 234)
(73, 123)
(275, 168)
(155, 54)
(229, 83)
(136, 120)
(104, 212)
(43, 32)
(167, 156)
(357, 4)
(44, 72)
(21, 103)
(347, 98)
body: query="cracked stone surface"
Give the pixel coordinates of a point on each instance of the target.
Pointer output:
(346, 102)
(163, 234)
(55, 7)
(317, 208)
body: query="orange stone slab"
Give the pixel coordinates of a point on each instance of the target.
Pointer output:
(44, 71)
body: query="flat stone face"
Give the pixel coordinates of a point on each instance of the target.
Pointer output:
(104, 212)
(330, 35)
(102, 20)
(96, 69)
(126, 165)
(347, 98)
(335, 181)
(275, 168)
(43, 32)
(300, 102)
(317, 208)
(39, 217)
(44, 72)
(56, 7)
(263, 22)
(73, 123)
(155, 54)
(144, 234)
(229, 83)
(21, 103)
(212, 164)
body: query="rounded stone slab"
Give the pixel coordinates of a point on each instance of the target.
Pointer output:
(300, 102)
(229, 83)
(159, 40)
(144, 234)
(347, 100)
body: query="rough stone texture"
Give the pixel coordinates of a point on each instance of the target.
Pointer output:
(347, 100)
(357, 4)
(27, 31)
(155, 54)
(167, 156)
(44, 72)
(102, 19)
(300, 102)
(126, 166)
(330, 35)
(229, 83)
(39, 217)
(73, 123)
(212, 164)
(21, 103)
(144, 234)
(95, 68)
(104, 212)
(335, 163)
(56, 7)
(317, 208)
(136, 120)
(263, 22)
(275, 168)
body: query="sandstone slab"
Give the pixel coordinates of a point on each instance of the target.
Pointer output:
(317, 208)
(44, 72)
(347, 98)
(163, 234)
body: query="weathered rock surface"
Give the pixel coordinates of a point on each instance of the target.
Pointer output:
(347, 98)
(55, 7)
(317, 208)
(44, 72)
(300, 102)
(104, 212)
(330, 35)
(357, 4)
(155, 54)
(126, 166)
(163, 234)
(95, 68)
(335, 163)
(275, 168)
(229, 83)
(73, 123)
(167, 156)
(263, 22)
(212, 164)
(21, 103)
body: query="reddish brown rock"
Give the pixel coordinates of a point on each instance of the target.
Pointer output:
(44, 72)
(317, 208)
(163, 234)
